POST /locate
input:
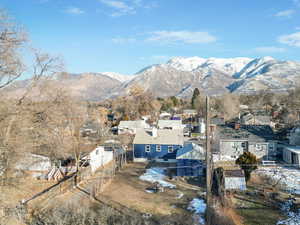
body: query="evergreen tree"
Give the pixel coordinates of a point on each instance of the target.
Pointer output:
(196, 95)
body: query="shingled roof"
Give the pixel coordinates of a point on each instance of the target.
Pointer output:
(247, 132)
(163, 137)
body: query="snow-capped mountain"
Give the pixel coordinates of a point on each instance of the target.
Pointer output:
(117, 76)
(215, 76)
(226, 65)
(180, 76)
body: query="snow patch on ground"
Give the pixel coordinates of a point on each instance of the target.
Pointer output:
(289, 178)
(180, 195)
(156, 174)
(198, 206)
(293, 217)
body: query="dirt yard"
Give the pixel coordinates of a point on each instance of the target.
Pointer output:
(26, 187)
(128, 190)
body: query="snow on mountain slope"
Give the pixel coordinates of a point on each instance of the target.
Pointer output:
(120, 77)
(216, 76)
(225, 65)
(255, 67)
(186, 64)
(230, 66)
(272, 75)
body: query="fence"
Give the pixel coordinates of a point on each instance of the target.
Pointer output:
(94, 182)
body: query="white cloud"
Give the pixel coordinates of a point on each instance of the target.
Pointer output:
(189, 37)
(269, 49)
(123, 40)
(122, 8)
(290, 39)
(74, 11)
(286, 13)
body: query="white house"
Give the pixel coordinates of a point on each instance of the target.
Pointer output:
(99, 157)
(291, 155)
(130, 126)
(170, 124)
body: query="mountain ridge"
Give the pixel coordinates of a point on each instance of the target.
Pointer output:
(179, 76)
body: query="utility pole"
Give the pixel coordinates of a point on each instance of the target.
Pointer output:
(208, 165)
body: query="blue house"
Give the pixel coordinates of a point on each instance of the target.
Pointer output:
(190, 160)
(158, 144)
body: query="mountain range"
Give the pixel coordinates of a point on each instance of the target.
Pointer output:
(180, 76)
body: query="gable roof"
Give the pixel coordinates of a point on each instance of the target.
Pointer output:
(247, 132)
(234, 173)
(133, 124)
(169, 123)
(164, 137)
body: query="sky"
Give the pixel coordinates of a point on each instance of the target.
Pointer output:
(125, 36)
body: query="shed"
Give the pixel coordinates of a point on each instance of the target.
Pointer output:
(234, 180)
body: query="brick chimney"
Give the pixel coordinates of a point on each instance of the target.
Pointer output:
(237, 125)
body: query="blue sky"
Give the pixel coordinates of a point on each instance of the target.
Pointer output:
(126, 35)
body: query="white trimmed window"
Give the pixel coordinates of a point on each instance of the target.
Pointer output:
(158, 148)
(170, 149)
(258, 147)
(147, 148)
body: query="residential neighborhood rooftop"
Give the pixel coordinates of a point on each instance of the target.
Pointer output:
(247, 132)
(169, 123)
(163, 137)
(132, 123)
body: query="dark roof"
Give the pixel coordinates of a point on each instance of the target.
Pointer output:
(217, 121)
(234, 173)
(247, 132)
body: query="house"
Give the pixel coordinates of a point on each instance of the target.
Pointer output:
(130, 126)
(189, 113)
(158, 144)
(190, 160)
(170, 124)
(165, 115)
(291, 155)
(234, 141)
(294, 136)
(100, 157)
(234, 180)
(217, 121)
(253, 119)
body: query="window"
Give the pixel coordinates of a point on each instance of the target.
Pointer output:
(97, 151)
(170, 149)
(258, 147)
(147, 148)
(158, 148)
